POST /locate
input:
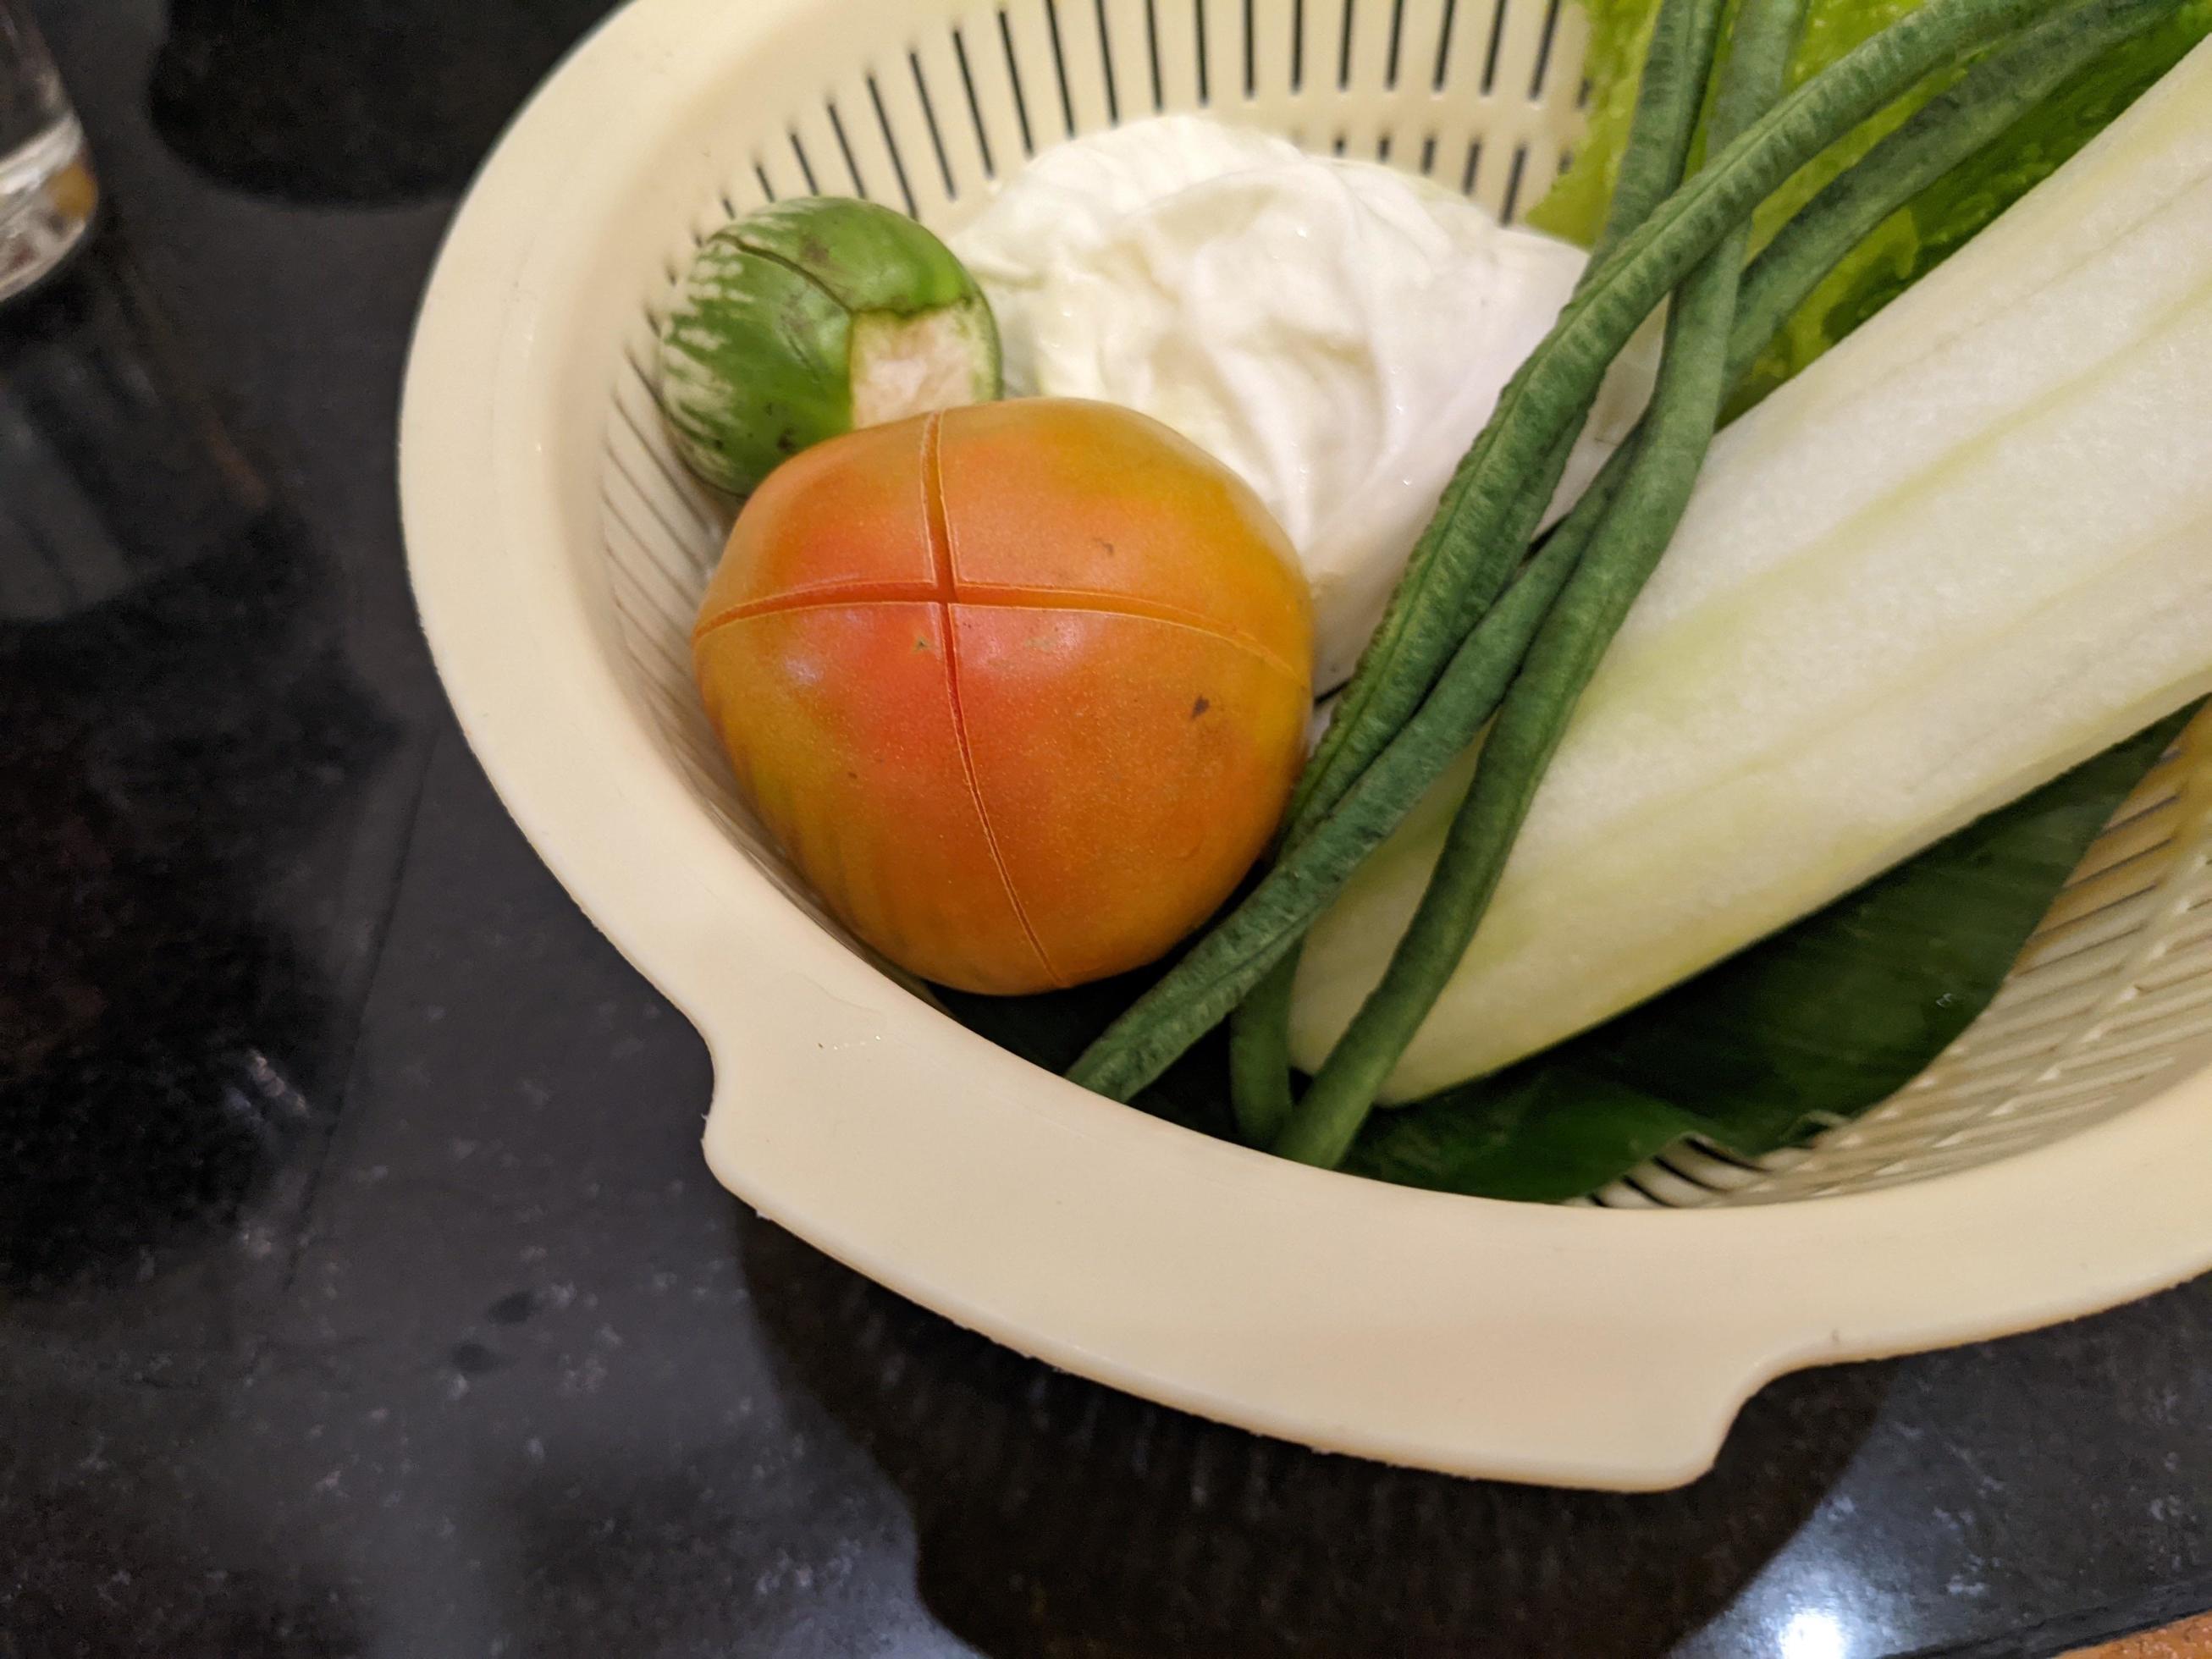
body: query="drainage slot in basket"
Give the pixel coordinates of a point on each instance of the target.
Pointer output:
(1014, 82)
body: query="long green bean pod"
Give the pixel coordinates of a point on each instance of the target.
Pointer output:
(1638, 523)
(1273, 922)
(1670, 96)
(1669, 99)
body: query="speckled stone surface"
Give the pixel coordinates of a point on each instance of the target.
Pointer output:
(361, 1291)
(2191, 1639)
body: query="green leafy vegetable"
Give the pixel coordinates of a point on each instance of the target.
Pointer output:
(1751, 1055)
(1917, 237)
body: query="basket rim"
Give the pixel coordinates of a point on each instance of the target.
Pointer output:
(1433, 1330)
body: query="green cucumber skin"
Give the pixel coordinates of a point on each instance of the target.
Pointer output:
(1939, 216)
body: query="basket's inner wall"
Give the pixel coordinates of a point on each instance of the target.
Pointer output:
(2113, 999)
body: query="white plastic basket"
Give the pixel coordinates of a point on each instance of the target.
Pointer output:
(558, 549)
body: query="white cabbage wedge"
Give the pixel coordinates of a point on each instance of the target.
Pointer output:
(1965, 550)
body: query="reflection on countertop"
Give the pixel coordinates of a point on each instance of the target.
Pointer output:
(298, 100)
(178, 723)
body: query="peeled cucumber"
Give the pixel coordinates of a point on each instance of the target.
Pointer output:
(1968, 549)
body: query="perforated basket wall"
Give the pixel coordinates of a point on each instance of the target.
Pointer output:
(2113, 1000)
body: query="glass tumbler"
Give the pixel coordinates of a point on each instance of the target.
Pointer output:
(46, 190)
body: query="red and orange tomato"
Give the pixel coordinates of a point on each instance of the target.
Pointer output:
(1022, 688)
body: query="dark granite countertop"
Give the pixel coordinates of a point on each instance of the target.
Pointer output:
(361, 1291)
